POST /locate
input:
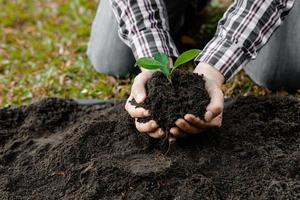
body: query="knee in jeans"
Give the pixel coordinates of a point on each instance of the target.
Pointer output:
(109, 66)
(97, 60)
(115, 61)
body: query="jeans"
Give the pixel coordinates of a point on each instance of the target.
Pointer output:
(276, 66)
(278, 62)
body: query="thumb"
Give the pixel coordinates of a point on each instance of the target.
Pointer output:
(138, 90)
(216, 105)
(139, 95)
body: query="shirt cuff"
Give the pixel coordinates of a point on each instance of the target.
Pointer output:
(149, 42)
(224, 55)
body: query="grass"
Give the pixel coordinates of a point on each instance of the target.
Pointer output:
(42, 53)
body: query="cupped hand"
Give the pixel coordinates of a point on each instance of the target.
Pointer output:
(191, 124)
(138, 93)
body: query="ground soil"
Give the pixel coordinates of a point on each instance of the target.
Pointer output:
(57, 149)
(168, 101)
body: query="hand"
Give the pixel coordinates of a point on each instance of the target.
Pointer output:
(213, 116)
(138, 92)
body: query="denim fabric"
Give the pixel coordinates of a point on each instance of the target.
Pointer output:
(277, 65)
(108, 54)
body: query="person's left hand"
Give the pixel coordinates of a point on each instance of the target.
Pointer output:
(192, 125)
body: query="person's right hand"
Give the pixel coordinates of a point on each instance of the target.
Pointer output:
(138, 93)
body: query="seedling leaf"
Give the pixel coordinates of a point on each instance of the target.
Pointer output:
(162, 58)
(161, 62)
(165, 70)
(148, 63)
(186, 57)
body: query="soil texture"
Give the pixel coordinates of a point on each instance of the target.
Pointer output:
(58, 149)
(168, 101)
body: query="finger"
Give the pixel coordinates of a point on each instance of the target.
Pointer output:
(138, 90)
(201, 124)
(217, 121)
(159, 133)
(135, 112)
(177, 133)
(186, 127)
(147, 127)
(216, 105)
(172, 139)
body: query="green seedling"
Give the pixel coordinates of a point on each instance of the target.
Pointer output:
(161, 62)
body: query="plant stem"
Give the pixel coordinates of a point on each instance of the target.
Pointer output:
(169, 78)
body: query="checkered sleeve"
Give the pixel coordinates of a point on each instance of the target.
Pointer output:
(244, 29)
(143, 26)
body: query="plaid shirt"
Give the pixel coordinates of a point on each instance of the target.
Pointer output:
(244, 29)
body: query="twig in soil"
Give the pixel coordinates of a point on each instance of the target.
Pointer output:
(166, 140)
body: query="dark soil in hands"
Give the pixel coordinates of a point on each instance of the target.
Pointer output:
(168, 101)
(57, 149)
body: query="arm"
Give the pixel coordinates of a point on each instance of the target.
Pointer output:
(144, 27)
(245, 28)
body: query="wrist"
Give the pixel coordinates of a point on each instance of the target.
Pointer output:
(210, 72)
(147, 73)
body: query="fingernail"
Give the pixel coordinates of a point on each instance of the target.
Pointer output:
(153, 125)
(139, 98)
(172, 130)
(187, 117)
(161, 133)
(172, 140)
(146, 113)
(208, 116)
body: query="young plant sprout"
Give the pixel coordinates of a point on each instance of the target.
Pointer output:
(161, 62)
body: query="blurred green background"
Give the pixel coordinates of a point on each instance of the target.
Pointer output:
(43, 45)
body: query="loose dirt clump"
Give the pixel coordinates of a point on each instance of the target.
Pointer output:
(57, 149)
(168, 101)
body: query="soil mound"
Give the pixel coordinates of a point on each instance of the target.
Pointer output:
(57, 149)
(169, 101)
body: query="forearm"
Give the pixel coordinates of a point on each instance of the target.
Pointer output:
(143, 26)
(245, 28)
